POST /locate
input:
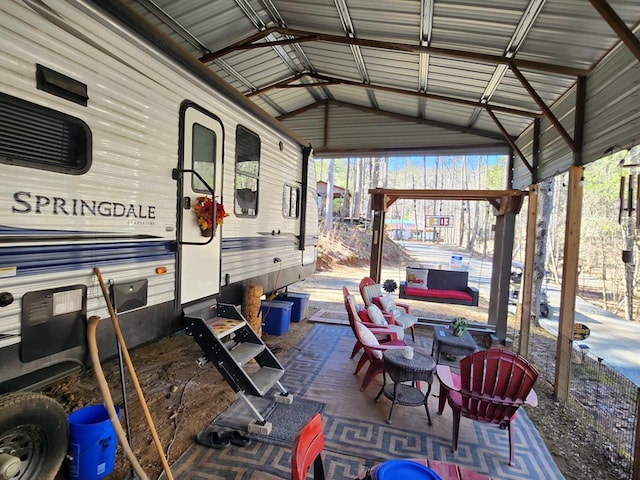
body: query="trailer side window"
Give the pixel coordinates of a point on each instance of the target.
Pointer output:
(290, 201)
(40, 137)
(203, 158)
(247, 172)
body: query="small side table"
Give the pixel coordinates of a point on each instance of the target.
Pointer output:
(401, 369)
(444, 341)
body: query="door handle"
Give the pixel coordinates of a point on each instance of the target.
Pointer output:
(186, 203)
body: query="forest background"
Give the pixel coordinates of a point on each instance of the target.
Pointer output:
(609, 227)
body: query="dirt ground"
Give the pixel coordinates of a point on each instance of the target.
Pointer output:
(183, 398)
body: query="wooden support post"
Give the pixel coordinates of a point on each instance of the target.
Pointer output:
(501, 273)
(523, 313)
(569, 284)
(377, 239)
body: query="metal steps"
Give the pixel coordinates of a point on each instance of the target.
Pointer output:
(241, 357)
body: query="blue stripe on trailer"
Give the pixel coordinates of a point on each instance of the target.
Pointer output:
(39, 259)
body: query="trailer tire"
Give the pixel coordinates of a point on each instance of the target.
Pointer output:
(33, 428)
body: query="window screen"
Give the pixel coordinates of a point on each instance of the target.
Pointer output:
(39, 137)
(203, 156)
(247, 172)
(290, 201)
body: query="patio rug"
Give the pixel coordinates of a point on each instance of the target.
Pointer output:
(286, 419)
(356, 433)
(330, 316)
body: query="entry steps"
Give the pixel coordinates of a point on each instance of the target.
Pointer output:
(230, 344)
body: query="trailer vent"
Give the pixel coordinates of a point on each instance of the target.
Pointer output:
(53, 320)
(39, 137)
(60, 85)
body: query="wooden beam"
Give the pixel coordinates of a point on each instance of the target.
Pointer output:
(617, 24)
(535, 176)
(301, 36)
(543, 106)
(505, 201)
(508, 138)
(569, 284)
(500, 274)
(523, 311)
(242, 44)
(301, 110)
(377, 240)
(280, 84)
(578, 129)
(430, 96)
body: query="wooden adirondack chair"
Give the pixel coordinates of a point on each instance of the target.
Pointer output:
(385, 334)
(366, 338)
(491, 386)
(397, 313)
(307, 449)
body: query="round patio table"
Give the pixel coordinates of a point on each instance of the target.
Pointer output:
(401, 369)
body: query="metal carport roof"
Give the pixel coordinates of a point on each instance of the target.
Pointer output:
(430, 76)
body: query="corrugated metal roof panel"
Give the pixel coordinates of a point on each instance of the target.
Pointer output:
(514, 124)
(476, 27)
(401, 104)
(357, 96)
(564, 33)
(260, 68)
(290, 99)
(572, 33)
(391, 20)
(353, 129)
(457, 78)
(397, 69)
(548, 86)
(314, 15)
(332, 59)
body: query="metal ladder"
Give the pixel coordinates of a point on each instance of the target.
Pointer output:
(229, 343)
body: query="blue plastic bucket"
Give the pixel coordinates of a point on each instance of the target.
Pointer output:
(92, 443)
(405, 470)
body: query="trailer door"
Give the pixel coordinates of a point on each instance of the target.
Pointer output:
(199, 255)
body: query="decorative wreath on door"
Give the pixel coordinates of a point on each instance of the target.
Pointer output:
(202, 208)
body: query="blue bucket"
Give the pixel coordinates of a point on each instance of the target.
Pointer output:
(92, 443)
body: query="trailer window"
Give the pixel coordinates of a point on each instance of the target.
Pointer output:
(203, 158)
(39, 137)
(247, 172)
(290, 201)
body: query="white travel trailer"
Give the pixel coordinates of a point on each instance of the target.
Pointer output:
(106, 142)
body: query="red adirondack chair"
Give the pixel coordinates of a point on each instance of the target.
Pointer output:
(306, 450)
(366, 338)
(385, 334)
(491, 386)
(396, 313)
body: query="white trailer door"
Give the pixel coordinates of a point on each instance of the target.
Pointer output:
(200, 251)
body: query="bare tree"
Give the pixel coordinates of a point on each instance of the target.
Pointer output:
(542, 233)
(329, 218)
(357, 189)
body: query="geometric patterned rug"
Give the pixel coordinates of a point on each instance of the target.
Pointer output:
(356, 433)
